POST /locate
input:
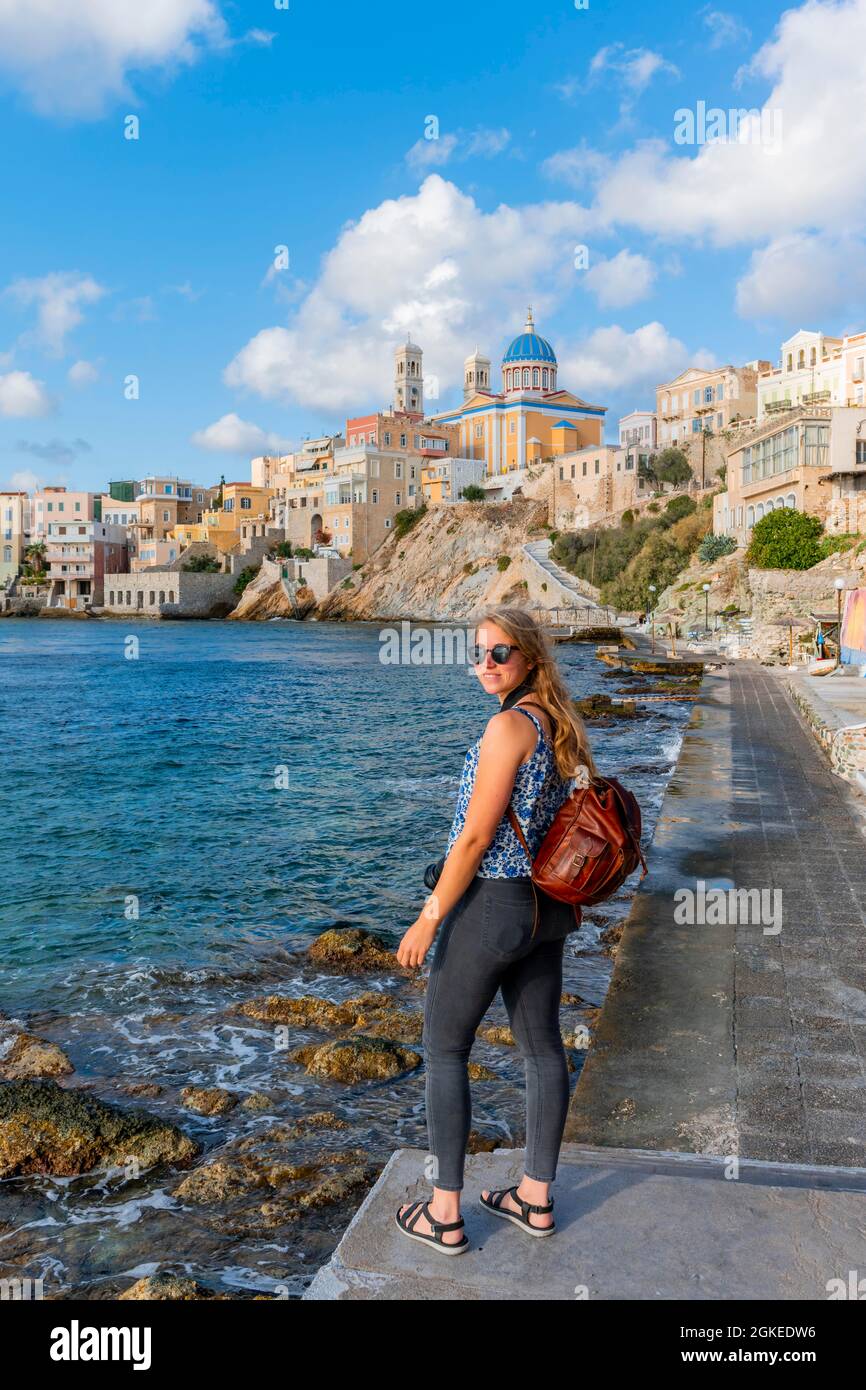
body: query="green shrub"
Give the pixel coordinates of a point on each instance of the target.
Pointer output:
(202, 564)
(347, 584)
(473, 493)
(303, 552)
(836, 545)
(406, 520)
(470, 568)
(785, 540)
(627, 518)
(653, 507)
(714, 547)
(283, 549)
(503, 562)
(357, 565)
(245, 577)
(678, 507)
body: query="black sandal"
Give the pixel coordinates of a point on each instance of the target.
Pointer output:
(409, 1218)
(497, 1197)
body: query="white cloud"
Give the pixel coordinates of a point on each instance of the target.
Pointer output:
(622, 280)
(814, 178)
(484, 144)
(611, 360)
(803, 276)
(232, 435)
(636, 67)
(578, 167)
(83, 373)
(25, 480)
(72, 59)
(432, 264)
(59, 298)
(725, 28)
(23, 397)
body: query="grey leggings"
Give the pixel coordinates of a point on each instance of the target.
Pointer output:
(485, 944)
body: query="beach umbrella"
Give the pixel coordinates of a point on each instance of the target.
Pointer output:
(790, 622)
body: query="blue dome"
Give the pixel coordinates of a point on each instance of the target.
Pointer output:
(529, 347)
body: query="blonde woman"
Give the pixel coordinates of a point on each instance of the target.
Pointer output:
(496, 931)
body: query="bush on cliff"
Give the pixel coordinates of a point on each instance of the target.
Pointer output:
(202, 564)
(473, 493)
(406, 520)
(245, 577)
(785, 540)
(678, 507)
(664, 553)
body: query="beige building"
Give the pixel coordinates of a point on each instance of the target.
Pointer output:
(59, 504)
(795, 460)
(164, 502)
(701, 400)
(353, 502)
(814, 370)
(594, 486)
(14, 533)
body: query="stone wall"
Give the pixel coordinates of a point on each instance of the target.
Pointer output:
(169, 594)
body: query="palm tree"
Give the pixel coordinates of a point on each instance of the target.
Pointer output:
(34, 556)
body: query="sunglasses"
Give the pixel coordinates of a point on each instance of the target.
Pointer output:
(501, 653)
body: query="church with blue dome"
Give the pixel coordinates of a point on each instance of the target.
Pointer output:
(530, 418)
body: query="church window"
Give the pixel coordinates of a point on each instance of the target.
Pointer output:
(536, 377)
(479, 431)
(545, 378)
(526, 376)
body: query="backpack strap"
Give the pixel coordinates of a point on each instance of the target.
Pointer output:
(515, 826)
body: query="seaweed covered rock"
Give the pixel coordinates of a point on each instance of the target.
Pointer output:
(27, 1057)
(352, 950)
(208, 1100)
(171, 1286)
(45, 1129)
(357, 1059)
(372, 1013)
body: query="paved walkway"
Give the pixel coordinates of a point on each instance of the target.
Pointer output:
(736, 1037)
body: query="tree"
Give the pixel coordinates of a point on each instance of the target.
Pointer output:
(34, 556)
(322, 537)
(672, 466)
(785, 540)
(283, 549)
(473, 493)
(627, 518)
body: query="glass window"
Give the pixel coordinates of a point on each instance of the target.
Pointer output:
(697, 397)
(720, 392)
(584, 468)
(708, 395)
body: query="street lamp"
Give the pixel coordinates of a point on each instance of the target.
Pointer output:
(706, 608)
(652, 590)
(839, 586)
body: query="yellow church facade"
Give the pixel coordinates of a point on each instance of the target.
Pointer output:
(530, 419)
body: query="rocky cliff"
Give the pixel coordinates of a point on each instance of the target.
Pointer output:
(271, 596)
(453, 562)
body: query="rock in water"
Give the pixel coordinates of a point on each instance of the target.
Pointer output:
(352, 949)
(45, 1129)
(357, 1059)
(170, 1286)
(29, 1056)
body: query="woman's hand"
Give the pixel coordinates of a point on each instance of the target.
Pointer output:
(416, 942)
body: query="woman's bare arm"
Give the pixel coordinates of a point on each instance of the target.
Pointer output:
(507, 741)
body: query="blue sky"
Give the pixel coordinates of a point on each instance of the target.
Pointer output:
(305, 127)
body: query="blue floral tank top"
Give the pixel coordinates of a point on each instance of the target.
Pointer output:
(539, 791)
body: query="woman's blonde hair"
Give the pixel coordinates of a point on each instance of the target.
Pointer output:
(570, 743)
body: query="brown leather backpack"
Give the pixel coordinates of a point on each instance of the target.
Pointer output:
(591, 847)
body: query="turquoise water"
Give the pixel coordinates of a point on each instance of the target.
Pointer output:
(148, 786)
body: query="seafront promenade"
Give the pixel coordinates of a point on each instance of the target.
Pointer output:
(716, 1140)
